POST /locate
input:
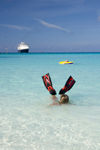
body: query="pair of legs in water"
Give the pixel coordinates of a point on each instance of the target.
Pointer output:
(64, 99)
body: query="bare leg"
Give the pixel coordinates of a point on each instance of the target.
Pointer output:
(54, 97)
(55, 100)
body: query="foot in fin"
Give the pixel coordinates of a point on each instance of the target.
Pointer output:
(48, 84)
(69, 84)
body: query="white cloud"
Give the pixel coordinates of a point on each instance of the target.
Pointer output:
(49, 25)
(15, 27)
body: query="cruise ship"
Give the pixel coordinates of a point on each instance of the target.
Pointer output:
(23, 48)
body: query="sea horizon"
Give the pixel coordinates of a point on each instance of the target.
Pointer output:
(81, 52)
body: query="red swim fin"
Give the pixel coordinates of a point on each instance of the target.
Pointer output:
(69, 84)
(48, 84)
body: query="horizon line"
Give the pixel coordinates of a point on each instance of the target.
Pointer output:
(50, 52)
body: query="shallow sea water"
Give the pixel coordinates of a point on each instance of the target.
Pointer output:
(27, 122)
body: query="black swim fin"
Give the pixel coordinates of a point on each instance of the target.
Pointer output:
(48, 84)
(69, 84)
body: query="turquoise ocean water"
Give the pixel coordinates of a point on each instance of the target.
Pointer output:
(27, 122)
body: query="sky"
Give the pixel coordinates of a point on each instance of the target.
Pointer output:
(50, 25)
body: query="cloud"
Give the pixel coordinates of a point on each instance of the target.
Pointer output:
(49, 25)
(15, 27)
